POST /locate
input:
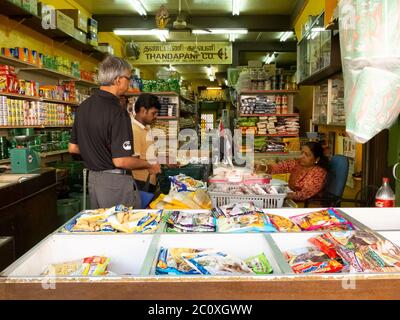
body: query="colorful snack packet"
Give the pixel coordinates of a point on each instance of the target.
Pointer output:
(218, 263)
(283, 224)
(259, 264)
(325, 246)
(172, 261)
(320, 219)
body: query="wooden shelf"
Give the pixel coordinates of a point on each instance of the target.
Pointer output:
(16, 62)
(274, 135)
(31, 98)
(72, 103)
(167, 93)
(34, 22)
(270, 115)
(35, 127)
(244, 92)
(20, 96)
(51, 73)
(87, 83)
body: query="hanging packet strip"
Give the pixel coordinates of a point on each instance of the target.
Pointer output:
(321, 219)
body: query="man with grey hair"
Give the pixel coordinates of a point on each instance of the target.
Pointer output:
(102, 135)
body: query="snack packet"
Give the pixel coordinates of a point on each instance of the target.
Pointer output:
(235, 209)
(311, 260)
(90, 266)
(283, 224)
(325, 246)
(191, 221)
(259, 264)
(256, 222)
(172, 261)
(182, 182)
(218, 263)
(135, 221)
(320, 219)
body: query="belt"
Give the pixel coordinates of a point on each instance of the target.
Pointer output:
(119, 171)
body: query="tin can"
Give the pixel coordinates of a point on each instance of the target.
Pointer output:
(278, 100)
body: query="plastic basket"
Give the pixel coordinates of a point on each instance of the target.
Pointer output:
(219, 199)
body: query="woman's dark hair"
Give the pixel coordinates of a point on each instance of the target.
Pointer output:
(318, 152)
(147, 101)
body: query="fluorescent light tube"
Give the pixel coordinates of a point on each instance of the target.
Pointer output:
(220, 31)
(235, 7)
(138, 6)
(286, 35)
(214, 88)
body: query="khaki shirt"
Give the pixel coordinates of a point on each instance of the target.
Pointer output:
(140, 147)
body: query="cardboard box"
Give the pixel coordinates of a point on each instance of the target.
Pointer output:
(106, 47)
(80, 19)
(30, 5)
(9, 84)
(65, 23)
(80, 36)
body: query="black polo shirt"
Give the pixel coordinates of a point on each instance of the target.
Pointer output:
(102, 129)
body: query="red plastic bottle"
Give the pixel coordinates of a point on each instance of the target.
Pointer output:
(385, 196)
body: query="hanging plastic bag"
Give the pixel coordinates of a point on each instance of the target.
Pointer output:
(370, 50)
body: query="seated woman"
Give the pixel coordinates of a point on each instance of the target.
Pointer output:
(307, 174)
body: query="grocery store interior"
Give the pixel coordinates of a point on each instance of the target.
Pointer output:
(284, 77)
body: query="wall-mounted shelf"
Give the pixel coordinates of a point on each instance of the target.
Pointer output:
(31, 98)
(35, 23)
(270, 115)
(35, 127)
(244, 92)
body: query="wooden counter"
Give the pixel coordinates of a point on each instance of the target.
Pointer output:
(28, 210)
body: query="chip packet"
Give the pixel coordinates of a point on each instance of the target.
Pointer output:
(172, 261)
(259, 264)
(283, 224)
(218, 263)
(311, 260)
(90, 266)
(325, 218)
(255, 222)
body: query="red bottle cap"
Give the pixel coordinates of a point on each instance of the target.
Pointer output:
(386, 180)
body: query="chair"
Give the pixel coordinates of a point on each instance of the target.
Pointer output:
(335, 183)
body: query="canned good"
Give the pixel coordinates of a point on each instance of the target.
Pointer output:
(284, 109)
(284, 99)
(278, 109)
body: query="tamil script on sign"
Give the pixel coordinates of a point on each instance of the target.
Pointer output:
(184, 53)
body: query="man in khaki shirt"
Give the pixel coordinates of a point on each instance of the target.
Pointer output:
(146, 109)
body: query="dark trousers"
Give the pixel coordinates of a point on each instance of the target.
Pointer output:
(109, 189)
(142, 184)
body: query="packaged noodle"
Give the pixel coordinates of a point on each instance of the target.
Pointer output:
(255, 222)
(90, 266)
(218, 263)
(259, 264)
(321, 219)
(283, 224)
(172, 261)
(311, 260)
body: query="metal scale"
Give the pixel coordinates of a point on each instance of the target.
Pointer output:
(24, 158)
